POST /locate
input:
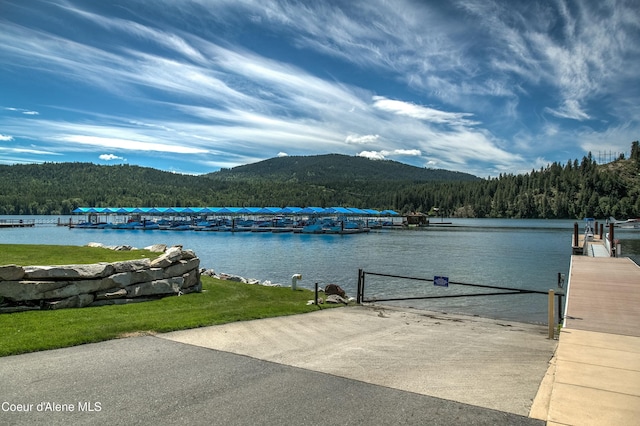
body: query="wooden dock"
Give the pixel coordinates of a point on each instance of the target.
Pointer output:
(16, 223)
(604, 295)
(594, 377)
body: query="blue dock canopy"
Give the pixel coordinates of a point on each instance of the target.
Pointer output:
(226, 211)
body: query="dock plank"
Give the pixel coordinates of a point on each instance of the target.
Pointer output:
(596, 368)
(604, 295)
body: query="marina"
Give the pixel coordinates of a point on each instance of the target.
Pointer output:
(522, 253)
(308, 220)
(594, 375)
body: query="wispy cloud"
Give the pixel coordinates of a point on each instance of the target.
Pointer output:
(20, 150)
(252, 79)
(578, 48)
(423, 113)
(170, 41)
(570, 109)
(22, 111)
(129, 144)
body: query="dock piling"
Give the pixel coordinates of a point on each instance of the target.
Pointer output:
(612, 250)
(551, 314)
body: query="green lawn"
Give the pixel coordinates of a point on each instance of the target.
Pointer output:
(220, 302)
(32, 254)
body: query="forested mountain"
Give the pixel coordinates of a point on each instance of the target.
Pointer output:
(317, 169)
(573, 190)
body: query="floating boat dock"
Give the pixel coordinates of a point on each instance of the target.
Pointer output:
(17, 223)
(308, 220)
(594, 377)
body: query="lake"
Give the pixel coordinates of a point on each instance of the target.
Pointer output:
(526, 254)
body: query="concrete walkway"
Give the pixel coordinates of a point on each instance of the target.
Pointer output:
(356, 365)
(594, 378)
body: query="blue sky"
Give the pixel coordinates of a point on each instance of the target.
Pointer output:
(190, 86)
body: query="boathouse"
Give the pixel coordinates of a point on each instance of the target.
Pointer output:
(417, 219)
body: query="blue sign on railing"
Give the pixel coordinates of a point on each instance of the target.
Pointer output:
(441, 281)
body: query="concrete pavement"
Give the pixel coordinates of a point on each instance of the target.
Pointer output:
(356, 365)
(477, 361)
(594, 379)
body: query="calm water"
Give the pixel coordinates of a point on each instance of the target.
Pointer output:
(505, 252)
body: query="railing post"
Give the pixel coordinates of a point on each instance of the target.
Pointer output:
(550, 314)
(360, 295)
(362, 288)
(612, 250)
(560, 319)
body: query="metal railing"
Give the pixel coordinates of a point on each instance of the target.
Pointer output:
(360, 298)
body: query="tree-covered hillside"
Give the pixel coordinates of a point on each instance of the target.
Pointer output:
(329, 168)
(573, 190)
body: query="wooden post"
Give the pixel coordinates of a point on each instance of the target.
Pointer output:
(601, 231)
(612, 249)
(575, 234)
(551, 314)
(317, 294)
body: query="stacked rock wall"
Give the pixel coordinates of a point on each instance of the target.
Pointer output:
(74, 286)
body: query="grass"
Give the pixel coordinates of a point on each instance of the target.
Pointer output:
(220, 302)
(31, 254)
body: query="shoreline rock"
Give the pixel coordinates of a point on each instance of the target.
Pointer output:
(237, 278)
(173, 273)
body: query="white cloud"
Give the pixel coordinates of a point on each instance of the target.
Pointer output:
(204, 94)
(110, 157)
(162, 38)
(6, 138)
(580, 50)
(23, 111)
(372, 155)
(132, 145)
(571, 109)
(361, 139)
(420, 112)
(382, 155)
(28, 151)
(283, 154)
(616, 139)
(407, 152)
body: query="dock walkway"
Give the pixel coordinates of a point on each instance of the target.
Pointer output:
(16, 223)
(594, 378)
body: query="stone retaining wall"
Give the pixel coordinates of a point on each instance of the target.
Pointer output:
(175, 272)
